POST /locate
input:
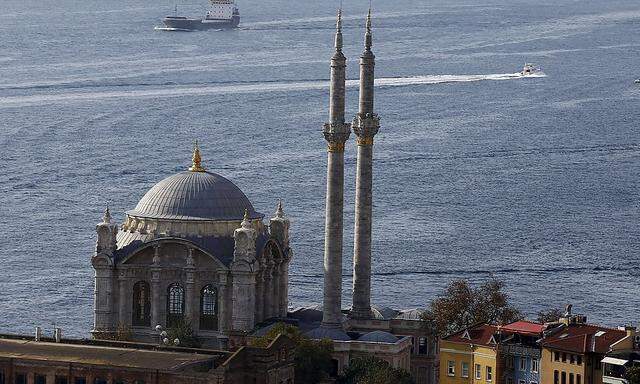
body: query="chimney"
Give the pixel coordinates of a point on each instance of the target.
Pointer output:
(38, 334)
(57, 334)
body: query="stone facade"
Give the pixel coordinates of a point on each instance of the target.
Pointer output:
(191, 262)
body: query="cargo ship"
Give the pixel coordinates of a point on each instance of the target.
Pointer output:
(222, 14)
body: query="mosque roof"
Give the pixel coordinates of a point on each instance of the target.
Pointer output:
(195, 195)
(321, 333)
(379, 337)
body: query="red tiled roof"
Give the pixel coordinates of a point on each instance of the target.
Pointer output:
(582, 338)
(524, 327)
(479, 334)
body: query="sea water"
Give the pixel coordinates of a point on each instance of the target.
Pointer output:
(478, 172)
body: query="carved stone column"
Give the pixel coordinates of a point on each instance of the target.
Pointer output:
(275, 298)
(155, 288)
(190, 295)
(103, 298)
(123, 296)
(260, 296)
(223, 302)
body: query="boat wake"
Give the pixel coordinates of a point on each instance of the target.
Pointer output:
(153, 91)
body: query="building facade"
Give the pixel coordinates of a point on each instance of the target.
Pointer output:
(572, 351)
(520, 352)
(470, 356)
(27, 361)
(193, 250)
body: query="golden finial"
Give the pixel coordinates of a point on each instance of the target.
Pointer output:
(196, 159)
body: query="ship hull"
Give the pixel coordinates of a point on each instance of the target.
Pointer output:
(191, 24)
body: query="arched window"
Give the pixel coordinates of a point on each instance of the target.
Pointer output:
(141, 304)
(175, 304)
(209, 308)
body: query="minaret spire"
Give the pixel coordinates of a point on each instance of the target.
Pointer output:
(336, 132)
(365, 126)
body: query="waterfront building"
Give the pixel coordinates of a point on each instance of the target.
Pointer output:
(470, 356)
(49, 361)
(572, 350)
(520, 352)
(623, 355)
(194, 250)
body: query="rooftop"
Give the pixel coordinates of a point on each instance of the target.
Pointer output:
(479, 334)
(125, 355)
(583, 338)
(524, 327)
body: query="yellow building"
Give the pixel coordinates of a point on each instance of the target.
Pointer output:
(470, 356)
(572, 352)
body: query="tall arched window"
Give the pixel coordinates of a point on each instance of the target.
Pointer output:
(175, 304)
(141, 304)
(209, 308)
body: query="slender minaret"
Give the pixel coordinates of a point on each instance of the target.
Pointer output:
(365, 126)
(336, 132)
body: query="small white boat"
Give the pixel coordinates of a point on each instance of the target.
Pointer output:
(530, 69)
(637, 81)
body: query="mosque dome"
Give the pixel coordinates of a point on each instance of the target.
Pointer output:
(379, 337)
(195, 195)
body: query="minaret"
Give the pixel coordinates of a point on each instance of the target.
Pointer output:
(336, 133)
(365, 126)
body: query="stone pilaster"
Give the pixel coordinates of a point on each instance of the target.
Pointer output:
(223, 300)
(365, 126)
(336, 133)
(155, 288)
(104, 318)
(244, 277)
(123, 299)
(190, 294)
(279, 230)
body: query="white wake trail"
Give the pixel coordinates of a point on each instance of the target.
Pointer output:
(227, 89)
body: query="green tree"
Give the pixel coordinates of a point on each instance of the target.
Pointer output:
(183, 331)
(313, 361)
(633, 375)
(463, 305)
(372, 370)
(550, 315)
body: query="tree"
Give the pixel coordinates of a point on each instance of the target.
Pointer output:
(550, 315)
(183, 331)
(463, 305)
(633, 375)
(372, 370)
(313, 361)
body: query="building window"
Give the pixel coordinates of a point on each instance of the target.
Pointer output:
(423, 346)
(175, 304)
(563, 377)
(489, 374)
(100, 380)
(556, 356)
(465, 369)
(61, 380)
(572, 359)
(571, 378)
(209, 308)
(564, 357)
(523, 363)
(535, 365)
(1, 377)
(579, 360)
(21, 378)
(40, 379)
(141, 304)
(556, 377)
(509, 380)
(451, 368)
(578, 379)
(478, 370)
(79, 380)
(521, 382)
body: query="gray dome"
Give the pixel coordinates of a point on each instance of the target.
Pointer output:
(379, 337)
(194, 196)
(335, 334)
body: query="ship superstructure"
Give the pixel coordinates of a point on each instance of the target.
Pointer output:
(222, 14)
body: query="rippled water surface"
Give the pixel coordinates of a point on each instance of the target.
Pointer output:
(477, 172)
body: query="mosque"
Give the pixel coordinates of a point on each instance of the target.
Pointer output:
(195, 249)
